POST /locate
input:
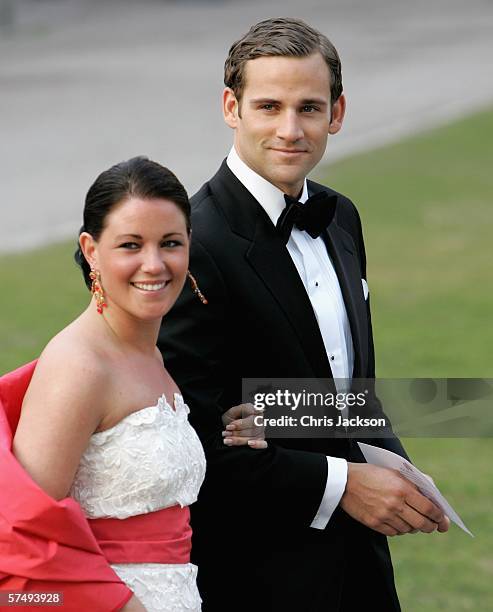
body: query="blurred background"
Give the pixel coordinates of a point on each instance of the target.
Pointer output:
(87, 83)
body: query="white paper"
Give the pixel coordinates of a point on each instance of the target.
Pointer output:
(388, 459)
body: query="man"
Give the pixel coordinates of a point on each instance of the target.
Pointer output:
(300, 525)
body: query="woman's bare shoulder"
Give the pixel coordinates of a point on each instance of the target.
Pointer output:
(70, 366)
(62, 408)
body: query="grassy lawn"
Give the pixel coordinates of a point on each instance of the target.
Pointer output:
(45, 292)
(453, 571)
(425, 205)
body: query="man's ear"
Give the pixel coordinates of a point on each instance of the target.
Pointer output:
(88, 246)
(337, 115)
(230, 107)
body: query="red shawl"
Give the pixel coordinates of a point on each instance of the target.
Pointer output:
(46, 545)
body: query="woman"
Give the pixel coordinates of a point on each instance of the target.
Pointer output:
(102, 421)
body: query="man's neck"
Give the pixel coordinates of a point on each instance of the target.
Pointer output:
(270, 197)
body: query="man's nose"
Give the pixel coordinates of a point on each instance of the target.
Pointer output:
(289, 127)
(153, 261)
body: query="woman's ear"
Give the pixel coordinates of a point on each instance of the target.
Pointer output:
(88, 246)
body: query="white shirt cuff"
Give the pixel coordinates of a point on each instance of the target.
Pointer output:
(334, 488)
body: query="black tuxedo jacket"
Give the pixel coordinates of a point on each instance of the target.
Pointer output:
(252, 538)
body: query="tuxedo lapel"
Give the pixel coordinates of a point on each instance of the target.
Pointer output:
(342, 252)
(269, 258)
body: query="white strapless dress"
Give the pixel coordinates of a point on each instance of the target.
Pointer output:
(152, 459)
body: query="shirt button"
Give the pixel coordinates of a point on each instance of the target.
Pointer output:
(332, 357)
(316, 284)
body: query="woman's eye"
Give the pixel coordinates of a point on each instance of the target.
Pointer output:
(170, 243)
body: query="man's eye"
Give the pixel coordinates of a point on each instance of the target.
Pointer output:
(309, 108)
(267, 107)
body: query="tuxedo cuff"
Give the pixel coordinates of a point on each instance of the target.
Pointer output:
(334, 488)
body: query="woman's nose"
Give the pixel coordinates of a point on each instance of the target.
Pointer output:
(153, 262)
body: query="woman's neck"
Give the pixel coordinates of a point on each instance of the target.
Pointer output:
(124, 330)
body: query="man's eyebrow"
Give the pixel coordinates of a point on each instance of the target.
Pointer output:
(317, 101)
(264, 101)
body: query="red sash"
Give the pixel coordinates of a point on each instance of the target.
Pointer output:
(164, 536)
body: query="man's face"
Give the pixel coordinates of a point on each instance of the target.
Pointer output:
(283, 121)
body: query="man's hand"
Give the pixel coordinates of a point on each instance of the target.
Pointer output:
(241, 428)
(385, 501)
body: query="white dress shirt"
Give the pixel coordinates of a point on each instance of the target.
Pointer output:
(317, 272)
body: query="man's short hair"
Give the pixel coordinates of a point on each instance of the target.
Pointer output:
(282, 37)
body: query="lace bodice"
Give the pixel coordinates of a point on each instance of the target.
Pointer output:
(151, 459)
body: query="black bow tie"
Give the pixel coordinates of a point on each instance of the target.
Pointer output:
(313, 216)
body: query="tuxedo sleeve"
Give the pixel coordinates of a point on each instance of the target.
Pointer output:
(198, 346)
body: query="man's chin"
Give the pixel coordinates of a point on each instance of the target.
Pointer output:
(291, 180)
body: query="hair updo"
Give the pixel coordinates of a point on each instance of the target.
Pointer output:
(138, 177)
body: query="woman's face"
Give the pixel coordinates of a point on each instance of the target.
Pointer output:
(142, 256)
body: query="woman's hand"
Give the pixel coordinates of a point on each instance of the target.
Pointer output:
(244, 426)
(133, 605)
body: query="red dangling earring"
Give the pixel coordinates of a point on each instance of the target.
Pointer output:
(195, 288)
(97, 290)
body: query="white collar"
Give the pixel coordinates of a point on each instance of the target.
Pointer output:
(267, 195)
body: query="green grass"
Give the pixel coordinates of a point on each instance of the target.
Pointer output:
(452, 571)
(425, 205)
(43, 290)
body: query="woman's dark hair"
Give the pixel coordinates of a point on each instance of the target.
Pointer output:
(138, 177)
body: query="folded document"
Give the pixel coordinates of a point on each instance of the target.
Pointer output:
(388, 459)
